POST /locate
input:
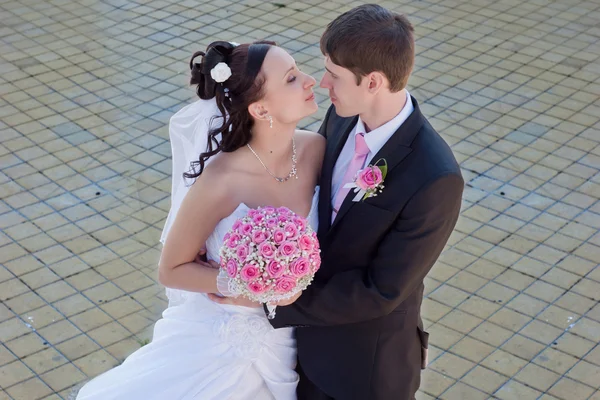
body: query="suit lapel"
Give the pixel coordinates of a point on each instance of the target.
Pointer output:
(332, 153)
(394, 151)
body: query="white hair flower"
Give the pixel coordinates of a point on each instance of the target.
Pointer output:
(221, 72)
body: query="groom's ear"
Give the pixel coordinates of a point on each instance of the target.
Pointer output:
(258, 111)
(375, 82)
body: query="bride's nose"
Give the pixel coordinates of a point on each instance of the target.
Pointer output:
(309, 81)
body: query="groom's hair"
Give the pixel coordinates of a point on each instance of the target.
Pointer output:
(371, 38)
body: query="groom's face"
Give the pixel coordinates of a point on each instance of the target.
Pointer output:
(347, 96)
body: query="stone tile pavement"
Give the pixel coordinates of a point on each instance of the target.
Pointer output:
(87, 88)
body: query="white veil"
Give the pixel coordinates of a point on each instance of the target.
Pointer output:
(188, 133)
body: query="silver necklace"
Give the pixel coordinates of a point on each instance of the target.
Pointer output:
(293, 172)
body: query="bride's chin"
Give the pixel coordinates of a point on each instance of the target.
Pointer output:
(313, 107)
(310, 110)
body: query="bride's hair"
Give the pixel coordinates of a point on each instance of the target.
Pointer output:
(244, 87)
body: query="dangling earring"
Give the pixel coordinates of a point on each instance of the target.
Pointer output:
(270, 122)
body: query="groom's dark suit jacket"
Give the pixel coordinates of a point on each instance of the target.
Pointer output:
(359, 331)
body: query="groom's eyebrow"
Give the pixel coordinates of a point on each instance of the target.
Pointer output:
(328, 70)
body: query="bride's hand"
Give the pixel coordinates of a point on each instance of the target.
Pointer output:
(234, 301)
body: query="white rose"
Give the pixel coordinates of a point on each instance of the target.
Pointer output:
(221, 72)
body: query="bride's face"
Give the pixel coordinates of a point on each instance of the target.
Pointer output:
(289, 93)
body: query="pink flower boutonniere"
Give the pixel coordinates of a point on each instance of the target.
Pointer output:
(369, 181)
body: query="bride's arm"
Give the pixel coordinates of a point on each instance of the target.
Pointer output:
(204, 206)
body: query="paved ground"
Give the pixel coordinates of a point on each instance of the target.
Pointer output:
(87, 88)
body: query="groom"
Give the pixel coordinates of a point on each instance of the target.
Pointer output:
(359, 331)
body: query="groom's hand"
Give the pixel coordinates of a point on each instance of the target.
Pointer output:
(234, 301)
(201, 257)
(213, 264)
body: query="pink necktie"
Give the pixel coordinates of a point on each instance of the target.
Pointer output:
(361, 150)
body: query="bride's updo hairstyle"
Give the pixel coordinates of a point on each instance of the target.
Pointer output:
(233, 96)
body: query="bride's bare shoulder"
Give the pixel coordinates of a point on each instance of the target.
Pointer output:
(313, 141)
(211, 186)
(309, 134)
(312, 148)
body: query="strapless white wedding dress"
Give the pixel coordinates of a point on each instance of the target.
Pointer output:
(203, 351)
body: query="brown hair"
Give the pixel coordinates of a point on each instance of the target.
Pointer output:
(371, 38)
(244, 87)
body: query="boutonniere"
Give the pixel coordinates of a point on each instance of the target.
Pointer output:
(369, 181)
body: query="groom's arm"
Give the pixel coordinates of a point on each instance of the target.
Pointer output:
(403, 259)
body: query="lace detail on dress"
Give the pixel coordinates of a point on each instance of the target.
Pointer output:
(245, 333)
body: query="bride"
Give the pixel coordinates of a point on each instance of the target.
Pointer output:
(248, 153)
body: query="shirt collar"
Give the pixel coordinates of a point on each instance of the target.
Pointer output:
(377, 138)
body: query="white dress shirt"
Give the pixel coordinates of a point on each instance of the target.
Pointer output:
(375, 139)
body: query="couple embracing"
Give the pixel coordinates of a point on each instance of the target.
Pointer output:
(356, 331)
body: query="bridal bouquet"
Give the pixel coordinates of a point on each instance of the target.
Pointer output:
(269, 255)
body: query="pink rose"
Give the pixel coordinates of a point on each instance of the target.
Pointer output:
(259, 236)
(242, 252)
(306, 243)
(275, 269)
(236, 225)
(266, 250)
(300, 267)
(233, 241)
(246, 229)
(249, 272)
(291, 232)
(283, 210)
(300, 223)
(226, 237)
(269, 210)
(256, 287)
(258, 219)
(316, 241)
(231, 268)
(285, 284)
(278, 236)
(252, 213)
(369, 178)
(272, 223)
(315, 261)
(283, 218)
(287, 249)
